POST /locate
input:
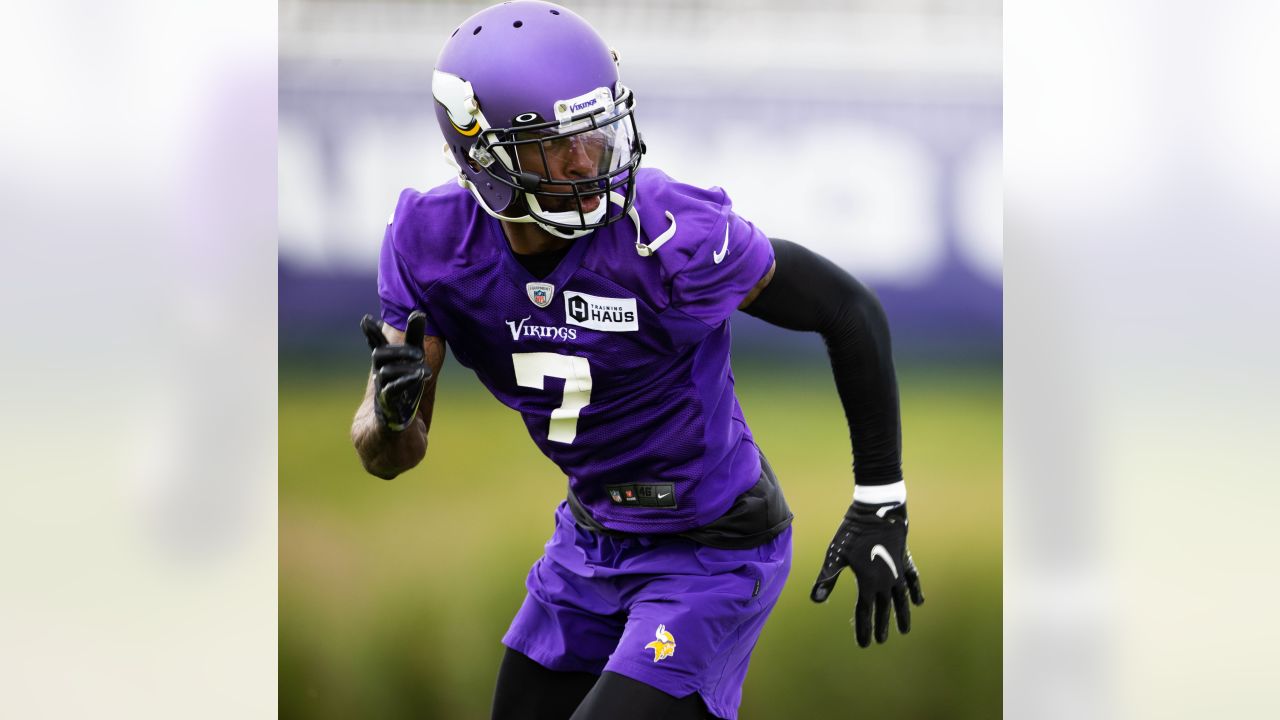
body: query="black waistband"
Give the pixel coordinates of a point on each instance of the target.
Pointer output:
(757, 516)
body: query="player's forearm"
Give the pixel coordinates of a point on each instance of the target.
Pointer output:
(384, 452)
(862, 359)
(810, 293)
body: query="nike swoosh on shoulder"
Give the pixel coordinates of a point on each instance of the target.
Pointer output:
(878, 551)
(724, 249)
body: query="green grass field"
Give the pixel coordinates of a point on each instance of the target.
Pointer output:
(394, 595)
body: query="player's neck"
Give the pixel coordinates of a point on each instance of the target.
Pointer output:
(529, 239)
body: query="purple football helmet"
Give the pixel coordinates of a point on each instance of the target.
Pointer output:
(535, 119)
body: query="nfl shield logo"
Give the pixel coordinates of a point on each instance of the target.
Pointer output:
(540, 293)
(617, 496)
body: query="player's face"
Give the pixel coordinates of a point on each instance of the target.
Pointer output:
(573, 157)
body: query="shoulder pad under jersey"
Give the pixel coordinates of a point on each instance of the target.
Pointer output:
(437, 232)
(676, 219)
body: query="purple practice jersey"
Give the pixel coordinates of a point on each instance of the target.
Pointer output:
(618, 363)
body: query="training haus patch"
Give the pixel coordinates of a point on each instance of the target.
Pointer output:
(600, 313)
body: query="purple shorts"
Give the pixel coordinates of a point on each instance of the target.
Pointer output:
(666, 611)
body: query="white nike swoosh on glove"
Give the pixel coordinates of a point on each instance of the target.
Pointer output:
(880, 552)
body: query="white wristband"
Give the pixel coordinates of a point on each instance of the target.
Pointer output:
(880, 494)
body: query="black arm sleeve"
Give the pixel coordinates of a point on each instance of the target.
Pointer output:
(809, 292)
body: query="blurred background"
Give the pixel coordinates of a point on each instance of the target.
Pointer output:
(139, 270)
(393, 596)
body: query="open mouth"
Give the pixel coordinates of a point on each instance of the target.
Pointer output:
(568, 204)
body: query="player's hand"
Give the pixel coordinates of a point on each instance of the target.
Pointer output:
(872, 541)
(399, 371)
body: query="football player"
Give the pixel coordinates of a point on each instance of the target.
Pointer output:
(593, 297)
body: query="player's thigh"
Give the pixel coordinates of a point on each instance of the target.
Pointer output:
(617, 697)
(566, 622)
(693, 629)
(529, 691)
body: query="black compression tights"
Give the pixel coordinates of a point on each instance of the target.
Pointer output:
(528, 691)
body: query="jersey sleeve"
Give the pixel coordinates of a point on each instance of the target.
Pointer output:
(722, 270)
(396, 288)
(400, 288)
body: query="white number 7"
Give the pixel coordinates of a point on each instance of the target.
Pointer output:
(532, 367)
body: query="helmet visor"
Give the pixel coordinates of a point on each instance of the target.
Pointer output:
(571, 167)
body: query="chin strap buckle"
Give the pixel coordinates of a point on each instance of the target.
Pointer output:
(644, 250)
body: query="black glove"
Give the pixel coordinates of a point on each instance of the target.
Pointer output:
(873, 541)
(399, 373)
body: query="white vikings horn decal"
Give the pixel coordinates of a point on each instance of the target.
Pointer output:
(458, 99)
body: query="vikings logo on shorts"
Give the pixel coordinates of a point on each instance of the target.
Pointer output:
(664, 646)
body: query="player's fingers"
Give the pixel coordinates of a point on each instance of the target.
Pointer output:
(391, 372)
(862, 619)
(415, 329)
(882, 617)
(398, 381)
(406, 355)
(822, 588)
(913, 581)
(913, 585)
(372, 332)
(902, 608)
(826, 579)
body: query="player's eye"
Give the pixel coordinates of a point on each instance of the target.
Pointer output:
(558, 145)
(594, 142)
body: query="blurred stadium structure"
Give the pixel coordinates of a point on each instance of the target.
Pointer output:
(868, 130)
